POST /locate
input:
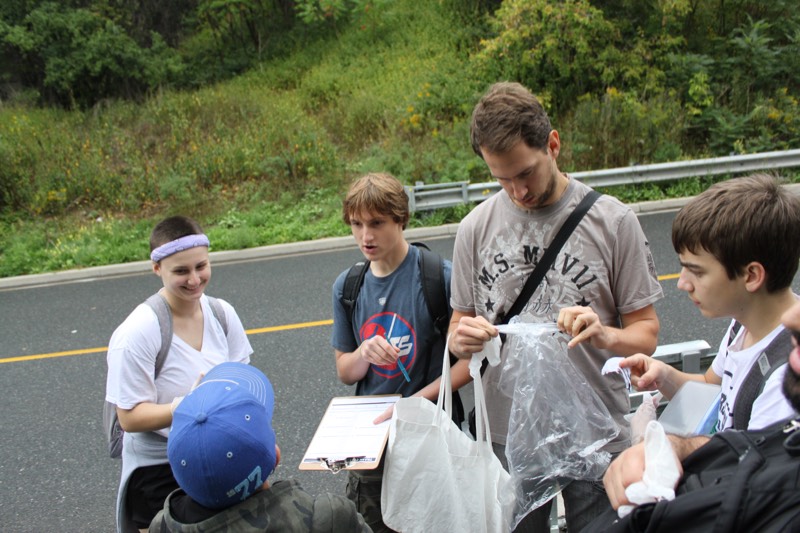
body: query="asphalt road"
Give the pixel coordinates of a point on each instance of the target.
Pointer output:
(55, 474)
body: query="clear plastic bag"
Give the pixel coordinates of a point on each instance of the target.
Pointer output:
(557, 423)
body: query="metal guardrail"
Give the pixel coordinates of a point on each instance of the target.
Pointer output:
(427, 197)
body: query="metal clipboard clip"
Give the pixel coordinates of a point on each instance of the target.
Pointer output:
(335, 465)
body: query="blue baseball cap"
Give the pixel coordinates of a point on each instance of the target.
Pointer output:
(222, 446)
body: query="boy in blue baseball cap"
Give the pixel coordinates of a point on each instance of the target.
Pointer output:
(222, 450)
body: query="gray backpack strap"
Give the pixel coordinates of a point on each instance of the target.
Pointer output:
(219, 313)
(767, 362)
(161, 308)
(114, 432)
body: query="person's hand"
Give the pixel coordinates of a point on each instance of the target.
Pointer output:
(178, 399)
(646, 412)
(626, 469)
(470, 335)
(582, 323)
(647, 374)
(386, 415)
(378, 351)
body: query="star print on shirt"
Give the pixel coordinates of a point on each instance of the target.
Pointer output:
(489, 305)
(583, 302)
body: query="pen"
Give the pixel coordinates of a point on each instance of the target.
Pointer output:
(399, 363)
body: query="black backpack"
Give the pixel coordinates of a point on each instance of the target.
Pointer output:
(114, 432)
(744, 481)
(434, 292)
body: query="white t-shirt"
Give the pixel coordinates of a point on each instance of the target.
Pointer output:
(732, 364)
(135, 344)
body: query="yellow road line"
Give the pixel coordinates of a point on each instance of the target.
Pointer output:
(52, 355)
(271, 329)
(105, 348)
(291, 326)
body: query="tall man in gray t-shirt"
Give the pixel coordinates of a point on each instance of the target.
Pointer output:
(600, 290)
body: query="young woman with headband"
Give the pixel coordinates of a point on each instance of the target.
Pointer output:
(145, 398)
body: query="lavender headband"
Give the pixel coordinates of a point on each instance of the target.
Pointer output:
(178, 245)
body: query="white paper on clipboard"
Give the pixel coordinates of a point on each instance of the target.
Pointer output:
(346, 438)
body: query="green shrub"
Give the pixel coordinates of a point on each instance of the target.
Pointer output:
(620, 130)
(80, 57)
(556, 49)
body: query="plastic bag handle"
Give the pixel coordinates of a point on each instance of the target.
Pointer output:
(446, 399)
(445, 388)
(483, 433)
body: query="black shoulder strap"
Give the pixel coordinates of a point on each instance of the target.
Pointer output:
(750, 460)
(351, 288)
(550, 255)
(434, 291)
(433, 287)
(767, 362)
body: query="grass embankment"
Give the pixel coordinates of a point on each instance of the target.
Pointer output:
(262, 159)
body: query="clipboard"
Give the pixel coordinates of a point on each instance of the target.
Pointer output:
(346, 438)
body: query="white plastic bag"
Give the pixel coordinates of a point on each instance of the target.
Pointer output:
(557, 423)
(435, 477)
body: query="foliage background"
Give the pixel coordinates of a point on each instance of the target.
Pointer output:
(254, 115)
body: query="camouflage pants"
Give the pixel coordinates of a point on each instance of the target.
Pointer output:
(364, 489)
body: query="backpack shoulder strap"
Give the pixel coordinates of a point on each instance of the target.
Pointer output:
(762, 453)
(159, 305)
(351, 288)
(433, 287)
(219, 313)
(767, 362)
(161, 308)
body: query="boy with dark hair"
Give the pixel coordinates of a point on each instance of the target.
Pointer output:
(734, 481)
(387, 343)
(222, 450)
(738, 248)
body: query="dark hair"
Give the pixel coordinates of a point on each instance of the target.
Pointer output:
(742, 220)
(173, 228)
(506, 114)
(377, 193)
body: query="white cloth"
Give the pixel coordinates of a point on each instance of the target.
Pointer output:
(661, 472)
(732, 364)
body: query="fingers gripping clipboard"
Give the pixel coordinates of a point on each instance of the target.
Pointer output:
(346, 438)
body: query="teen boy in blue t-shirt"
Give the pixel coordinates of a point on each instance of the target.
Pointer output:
(391, 319)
